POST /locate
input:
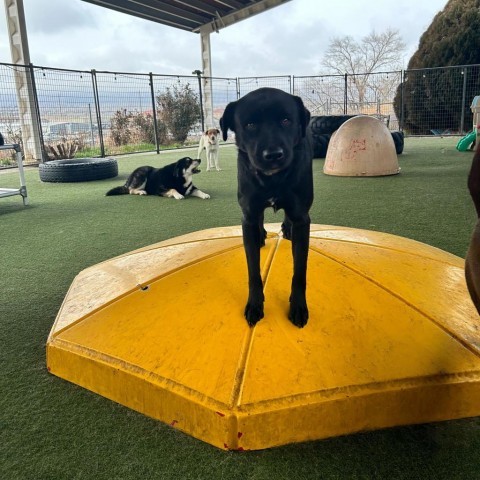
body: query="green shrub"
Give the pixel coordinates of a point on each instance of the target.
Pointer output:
(179, 109)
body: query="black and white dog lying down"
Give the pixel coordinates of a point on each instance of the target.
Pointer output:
(274, 170)
(173, 180)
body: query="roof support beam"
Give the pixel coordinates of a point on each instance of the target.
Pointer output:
(207, 80)
(17, 34)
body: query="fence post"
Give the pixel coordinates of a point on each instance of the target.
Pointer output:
(36, 106)
(464, 94)
(402, 104)
(345, 96)
(238, 87)
(198, 73)
(154, 111)
(97, 111)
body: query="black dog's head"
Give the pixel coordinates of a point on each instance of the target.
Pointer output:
(186, 166)
(268, 124)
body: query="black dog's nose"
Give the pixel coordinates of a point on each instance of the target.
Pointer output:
(273, 155)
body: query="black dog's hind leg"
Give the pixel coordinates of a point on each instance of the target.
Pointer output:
(300, 236)
(253, 239)
(263, 232)
(287, 228)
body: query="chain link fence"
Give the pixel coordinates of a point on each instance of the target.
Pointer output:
(437, 100)
(248, 84)
(96, 113)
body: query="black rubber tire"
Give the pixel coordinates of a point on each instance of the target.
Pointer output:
(320, 145)
(323, 126)
(398, 139)
(78, 170)
(327, 123)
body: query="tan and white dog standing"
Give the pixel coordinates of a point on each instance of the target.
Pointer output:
(210, 142)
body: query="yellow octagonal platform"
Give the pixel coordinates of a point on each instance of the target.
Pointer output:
(393, 338)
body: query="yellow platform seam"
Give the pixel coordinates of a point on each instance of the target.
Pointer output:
(382, 247)
(166, 244)
(470, 347)
(132, 290)
(240, 377)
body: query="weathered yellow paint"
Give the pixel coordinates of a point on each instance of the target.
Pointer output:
(393, 338)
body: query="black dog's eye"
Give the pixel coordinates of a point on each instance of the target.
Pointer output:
(251, 126)
(285, 122)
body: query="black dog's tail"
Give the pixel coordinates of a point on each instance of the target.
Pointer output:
(123, 190)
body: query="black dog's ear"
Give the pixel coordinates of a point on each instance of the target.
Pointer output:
(303, 114)
(227, 122)
(177, 170)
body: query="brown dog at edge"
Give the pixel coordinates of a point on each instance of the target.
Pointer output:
(472, 262)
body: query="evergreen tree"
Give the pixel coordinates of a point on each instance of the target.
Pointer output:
(432, 99)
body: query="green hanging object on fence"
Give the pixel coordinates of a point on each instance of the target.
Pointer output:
(464, 143)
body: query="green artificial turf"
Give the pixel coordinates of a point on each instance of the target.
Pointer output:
(51, 429)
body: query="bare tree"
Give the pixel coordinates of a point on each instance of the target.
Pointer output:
(360, 59)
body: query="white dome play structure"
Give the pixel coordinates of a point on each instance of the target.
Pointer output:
(361, 147)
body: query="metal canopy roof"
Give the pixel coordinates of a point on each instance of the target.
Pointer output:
(193, 14)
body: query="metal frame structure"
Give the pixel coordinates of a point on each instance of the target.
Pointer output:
(8, 192)
(192, 15)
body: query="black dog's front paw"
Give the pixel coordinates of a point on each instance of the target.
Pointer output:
(298, 314)
(253, 313)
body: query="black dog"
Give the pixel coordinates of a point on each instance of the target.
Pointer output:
(174, 180)
(274, 170)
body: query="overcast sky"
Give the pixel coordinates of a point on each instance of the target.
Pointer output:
(287, 40)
